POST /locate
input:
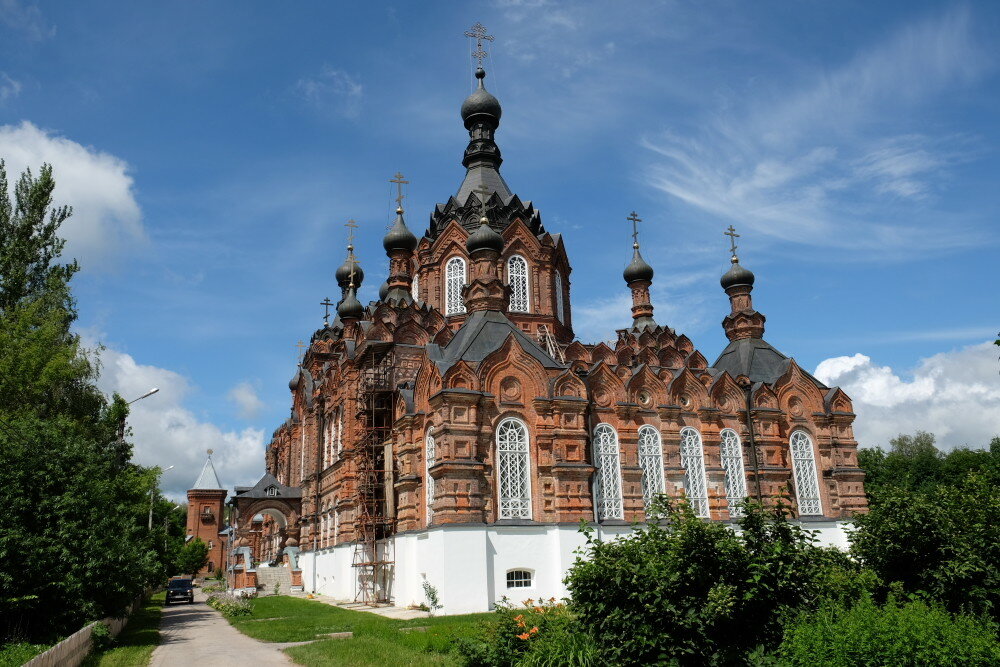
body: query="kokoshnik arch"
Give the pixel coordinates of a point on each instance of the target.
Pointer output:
(455, 431)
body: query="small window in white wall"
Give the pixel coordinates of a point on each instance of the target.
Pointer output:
(559, 298)
(693, 462)
(609, 473)
(804, 468)
(454, 281)
(430, 459)
(732, 464)
(517, 278)
(519, 579)
(651, 462)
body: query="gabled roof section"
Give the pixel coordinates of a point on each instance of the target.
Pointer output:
(757, 359)
(482, 334)
(208, 480)
(268, 487)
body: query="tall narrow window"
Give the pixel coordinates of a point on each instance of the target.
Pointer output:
(651, 462)
(429, 459)
(415, 287)
(340, 429)
(513, 470)
(693, 462)
(336, 520)
(454, 281)
(804, 469)
(732, 464)
(517, 278)
(559, 298)
(609, 473)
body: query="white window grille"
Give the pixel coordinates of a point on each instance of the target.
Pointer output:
(429, 459)
(804, 469)
(651, 462)
(415, 287)
(609, 473)
(559, 298)
(513, 470)
(336, 521)
(736, 478)
(693, 462)
(519, 579)
(340, 429)
(454, 281)
(517, 278)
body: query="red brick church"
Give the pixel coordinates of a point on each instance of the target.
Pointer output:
(455, 431)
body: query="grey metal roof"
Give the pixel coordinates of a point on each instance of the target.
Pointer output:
(208, 479)
(482, 175)
(757, 359)
(483, 333)
(259, 490)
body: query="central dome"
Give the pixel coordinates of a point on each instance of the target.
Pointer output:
(480, 103)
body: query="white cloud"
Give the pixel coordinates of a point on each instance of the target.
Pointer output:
(9, 88)
(332, 90)
(244, 395)
(825, 162)
(165, 433)
(106, 217)
(25, 17)
(955, 395)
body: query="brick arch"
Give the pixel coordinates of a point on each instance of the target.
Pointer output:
(686, 384)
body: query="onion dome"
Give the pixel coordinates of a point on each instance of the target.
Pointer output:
(383, 291)
(737, 275)
(343, 274)
(399, 237)
(638, 269)
(484, 238)
(350, 307)
(481, 105)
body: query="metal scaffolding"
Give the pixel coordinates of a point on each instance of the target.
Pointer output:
(373, 557)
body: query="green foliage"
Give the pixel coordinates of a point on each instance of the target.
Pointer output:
(431, 595)
(943, 543)
(192, 557)
(74, 546)
(14, 655)
(683, 589)
(135, 645)
(230, 605)
(911, 633)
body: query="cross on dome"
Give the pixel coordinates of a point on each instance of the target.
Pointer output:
(731, 233)
(635, 220)
(398, 180)
(478, 32)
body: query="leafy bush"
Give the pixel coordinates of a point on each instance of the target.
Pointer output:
(192, 557)
(696, 591)
(911, 633)
(213, 588)
(231, 606)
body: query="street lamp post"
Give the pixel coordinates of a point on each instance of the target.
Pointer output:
(152, 491)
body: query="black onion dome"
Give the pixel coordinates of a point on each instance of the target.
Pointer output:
(383, 291)
(480, 103)
(350, 307)
(737, 275)
(343, 274)
(638, 269)
(484, 238)
(399, 236)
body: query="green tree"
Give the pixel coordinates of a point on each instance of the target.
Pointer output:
(74, 546)
(192, 557)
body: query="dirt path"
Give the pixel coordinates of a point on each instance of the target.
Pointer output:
(195, 634)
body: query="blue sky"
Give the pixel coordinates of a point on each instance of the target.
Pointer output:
(213, 152)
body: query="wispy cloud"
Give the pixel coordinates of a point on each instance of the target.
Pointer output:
(26, 18)
(244, 396)
(9, 88)
(332, 90)
(825, 162)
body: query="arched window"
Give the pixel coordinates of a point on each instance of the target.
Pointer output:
(518, 578)
(804, 469)
(693, 462)
(517, 278)
(609, 473)
(415, 287)
(559, 298)
(429, 459)
(732, 464)
(336, 520)
(651, 462)
(513, 470)
(454, 281)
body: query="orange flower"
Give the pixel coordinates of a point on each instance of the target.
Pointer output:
(552, 599)
(539, 610)
(524, 636)
(528, 602)
(534, 630)
(519, 617)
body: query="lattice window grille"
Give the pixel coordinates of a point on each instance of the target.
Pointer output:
(517, 278)
(693, 462)
(454, 281)
(430, 457)
(514, 470)
(804, 468)
(340, 430)
(559, 298)
(651, 462)
(609, 473)
(415, 287)
(736, 478)
(336, 522)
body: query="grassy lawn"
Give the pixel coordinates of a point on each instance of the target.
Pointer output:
(135, 644)
(13, 655)
(377, 640)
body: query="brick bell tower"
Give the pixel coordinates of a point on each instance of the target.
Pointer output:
(204, 519)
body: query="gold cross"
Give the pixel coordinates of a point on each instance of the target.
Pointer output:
(351, 226)
(478, 31)
(731, 233)
(484, 195)
(326, 303)
(299, 347)
(398, 180)
(635, 220)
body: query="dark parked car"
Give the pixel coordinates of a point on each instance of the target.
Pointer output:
(180, 589)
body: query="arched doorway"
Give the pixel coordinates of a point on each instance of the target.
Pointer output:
(265, 546)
